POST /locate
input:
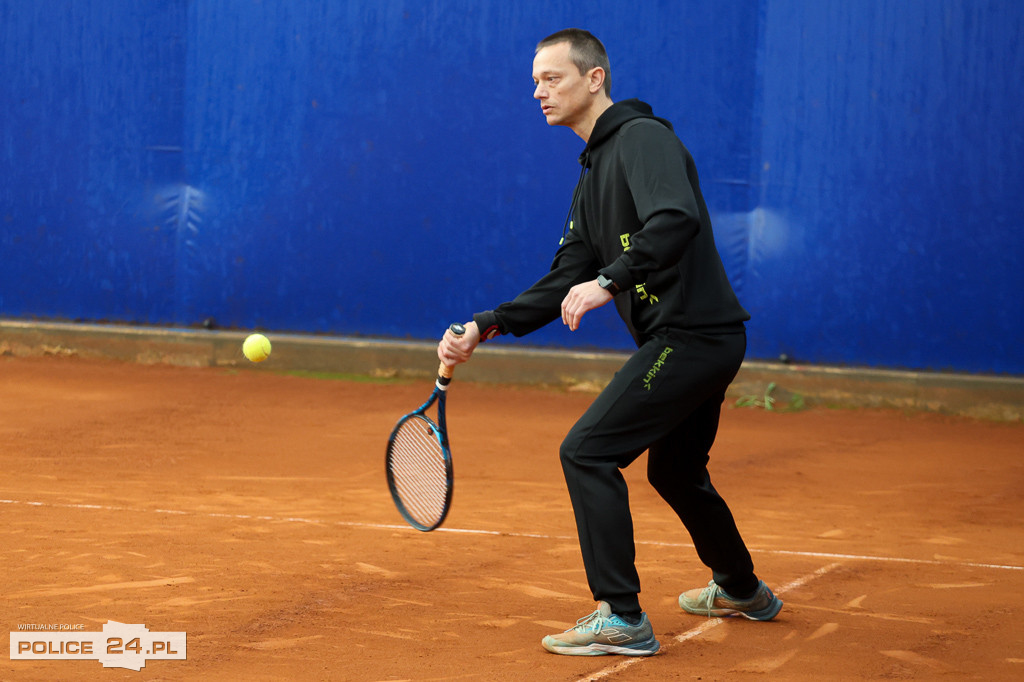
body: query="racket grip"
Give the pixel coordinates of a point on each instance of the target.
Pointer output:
(445, 372)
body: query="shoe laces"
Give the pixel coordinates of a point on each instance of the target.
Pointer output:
(594, 622)
(709, 594)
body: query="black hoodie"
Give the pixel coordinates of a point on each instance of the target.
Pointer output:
(640, 220)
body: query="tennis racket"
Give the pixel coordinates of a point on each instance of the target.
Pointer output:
(419, 459)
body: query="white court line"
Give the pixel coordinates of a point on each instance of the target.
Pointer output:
(707, 625)
(472, 531)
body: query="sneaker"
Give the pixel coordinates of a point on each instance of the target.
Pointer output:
(714, 601)
(602, 633)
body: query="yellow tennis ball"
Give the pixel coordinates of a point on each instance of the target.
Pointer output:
(256, 347)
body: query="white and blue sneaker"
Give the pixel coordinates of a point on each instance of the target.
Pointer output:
(714, 602)
(602, 633)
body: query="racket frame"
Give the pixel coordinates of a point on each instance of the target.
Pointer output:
(440, 431)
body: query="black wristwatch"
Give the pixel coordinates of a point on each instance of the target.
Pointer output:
(608, 285)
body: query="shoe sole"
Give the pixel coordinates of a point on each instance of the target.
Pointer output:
(648, 648)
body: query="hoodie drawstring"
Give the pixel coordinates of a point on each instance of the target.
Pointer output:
(567, 225)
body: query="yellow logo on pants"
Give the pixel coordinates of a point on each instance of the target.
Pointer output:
(656, 367)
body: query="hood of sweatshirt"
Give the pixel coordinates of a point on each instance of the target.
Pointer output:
(614, 118)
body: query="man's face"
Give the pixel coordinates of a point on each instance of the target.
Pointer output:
(562, 90)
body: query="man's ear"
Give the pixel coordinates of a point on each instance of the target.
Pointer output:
(596, 81)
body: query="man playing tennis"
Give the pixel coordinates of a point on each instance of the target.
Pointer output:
(640, 236)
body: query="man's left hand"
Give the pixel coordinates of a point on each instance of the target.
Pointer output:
(580, 299)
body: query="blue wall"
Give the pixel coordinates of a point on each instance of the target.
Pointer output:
(380, 168)
(888, 228)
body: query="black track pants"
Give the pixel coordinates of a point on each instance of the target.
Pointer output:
(667, 399)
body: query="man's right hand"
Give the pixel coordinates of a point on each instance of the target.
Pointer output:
(453, 349)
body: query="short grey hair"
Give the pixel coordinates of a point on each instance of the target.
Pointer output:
(585, 51)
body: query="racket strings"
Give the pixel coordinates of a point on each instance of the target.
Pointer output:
(419, 469)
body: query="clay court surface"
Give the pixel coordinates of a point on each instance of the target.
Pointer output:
(249, 510)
